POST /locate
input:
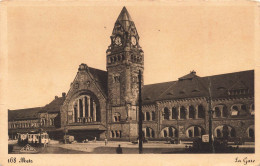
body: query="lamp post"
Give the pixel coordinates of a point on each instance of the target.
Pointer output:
(140, 114)
(210, 120)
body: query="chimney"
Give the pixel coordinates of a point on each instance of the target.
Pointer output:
(56, 97)
(64, 94)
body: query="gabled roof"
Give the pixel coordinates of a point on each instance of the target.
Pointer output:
(191, 85)
(100, 77)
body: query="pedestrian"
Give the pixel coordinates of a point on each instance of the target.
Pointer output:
(119, 150)
(45, 144)
(105, 141)
(95, 139)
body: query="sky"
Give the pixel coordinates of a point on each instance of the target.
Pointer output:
(47, 43)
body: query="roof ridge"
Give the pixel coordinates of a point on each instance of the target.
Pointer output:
(229, 73)
(160, 83)
(26, 108)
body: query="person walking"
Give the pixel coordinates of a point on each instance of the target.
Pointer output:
(119, 150)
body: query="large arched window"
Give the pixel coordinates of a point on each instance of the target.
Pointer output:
(201, 112)
(86, 109)
(183, 113)
(169, 132)
(224, 131)
(194, 131)
(166, 113)
(191, 112)
(174, 113)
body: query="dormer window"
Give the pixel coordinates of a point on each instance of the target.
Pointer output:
(195, 90)
(181, 92)
(221, 88)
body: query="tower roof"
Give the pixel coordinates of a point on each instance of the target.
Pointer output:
(124, 15)
(124, 19)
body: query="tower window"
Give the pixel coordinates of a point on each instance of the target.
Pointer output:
(117, 117)
(116, 79)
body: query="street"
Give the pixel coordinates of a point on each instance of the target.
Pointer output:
(99, 147)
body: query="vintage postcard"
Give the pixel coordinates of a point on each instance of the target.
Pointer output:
(158, 82)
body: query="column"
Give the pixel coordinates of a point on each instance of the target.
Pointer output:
(221, 111)
(170, 114)
(73, 113)
(94, 111)
(78, 113)
(88, 108)
(196, 112)
(144, 113)
(84, 107)
(179, 112)
(187, 112)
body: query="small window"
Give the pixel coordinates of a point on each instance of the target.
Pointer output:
(217, 112)
(234, 111)
(201, 112)
(183, 113)
(166, 113)
(153, 115)
(195, 90)
(147, 116)
(117, 117)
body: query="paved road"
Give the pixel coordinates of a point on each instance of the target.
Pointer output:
(128, 148)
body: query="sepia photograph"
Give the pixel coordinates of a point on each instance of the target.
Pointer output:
(153, 78)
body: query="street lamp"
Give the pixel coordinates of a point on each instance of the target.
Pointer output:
(210, 120)
(140, 114)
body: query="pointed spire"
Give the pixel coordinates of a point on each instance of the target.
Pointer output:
(124, 15)
(125, 19)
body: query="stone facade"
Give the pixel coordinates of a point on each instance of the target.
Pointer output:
(104, 104)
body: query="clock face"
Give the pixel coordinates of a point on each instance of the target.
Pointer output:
(133, 40)
(118, 40)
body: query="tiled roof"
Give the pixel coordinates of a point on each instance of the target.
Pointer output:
(54, 106)
(22, 114)
(191, 85)
(100, 77)
(32, 113)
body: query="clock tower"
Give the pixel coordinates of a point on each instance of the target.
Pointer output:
(124, 60)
